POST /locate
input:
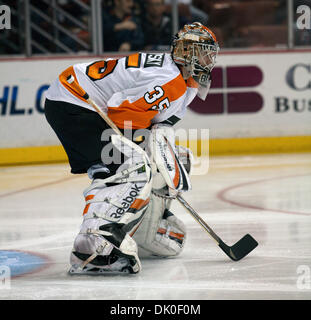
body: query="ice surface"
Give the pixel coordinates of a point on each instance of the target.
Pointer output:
(268, 196)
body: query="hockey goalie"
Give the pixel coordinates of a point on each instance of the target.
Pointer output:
(132, 180)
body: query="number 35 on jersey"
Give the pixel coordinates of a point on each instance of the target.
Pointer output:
(152, 97)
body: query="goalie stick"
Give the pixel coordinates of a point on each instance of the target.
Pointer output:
(236, 252)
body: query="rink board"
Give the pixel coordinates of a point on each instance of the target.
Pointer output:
(259, 102)
(215, 147)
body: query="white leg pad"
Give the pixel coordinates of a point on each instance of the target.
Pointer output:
(160, 232)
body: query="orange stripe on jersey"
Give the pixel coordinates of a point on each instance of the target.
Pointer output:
(139, 112)
(133, 61)
(87, 198)
(127, 111)
(73, 87)
(175, 88)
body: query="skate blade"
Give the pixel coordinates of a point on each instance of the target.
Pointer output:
(77, 270)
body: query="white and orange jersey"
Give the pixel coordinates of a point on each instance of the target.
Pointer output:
(142, 88)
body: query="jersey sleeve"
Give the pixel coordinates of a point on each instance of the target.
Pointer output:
(157, 90)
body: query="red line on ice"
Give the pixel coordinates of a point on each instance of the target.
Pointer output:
(222, 196)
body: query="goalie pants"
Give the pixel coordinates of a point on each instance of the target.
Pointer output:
(79, 130)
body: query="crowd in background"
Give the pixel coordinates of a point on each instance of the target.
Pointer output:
(131, 25)
(147, 23)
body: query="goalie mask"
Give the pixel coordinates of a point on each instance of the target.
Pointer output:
(195, 47)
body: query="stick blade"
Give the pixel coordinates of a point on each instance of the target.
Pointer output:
(240, 249)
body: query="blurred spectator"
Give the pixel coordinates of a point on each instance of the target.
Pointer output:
(121, 29)
(189, 12)
(281, 12)
(79, 13)
(42, 24)
(252, 23)
(157, 26)
(204, 6)
(62, 22)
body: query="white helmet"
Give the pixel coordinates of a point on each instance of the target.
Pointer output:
(195, 47)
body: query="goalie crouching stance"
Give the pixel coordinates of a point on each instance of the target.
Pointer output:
(127, 211)
(127, 214)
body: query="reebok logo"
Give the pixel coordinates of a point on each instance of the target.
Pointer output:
(127, 201)
(232, 91)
